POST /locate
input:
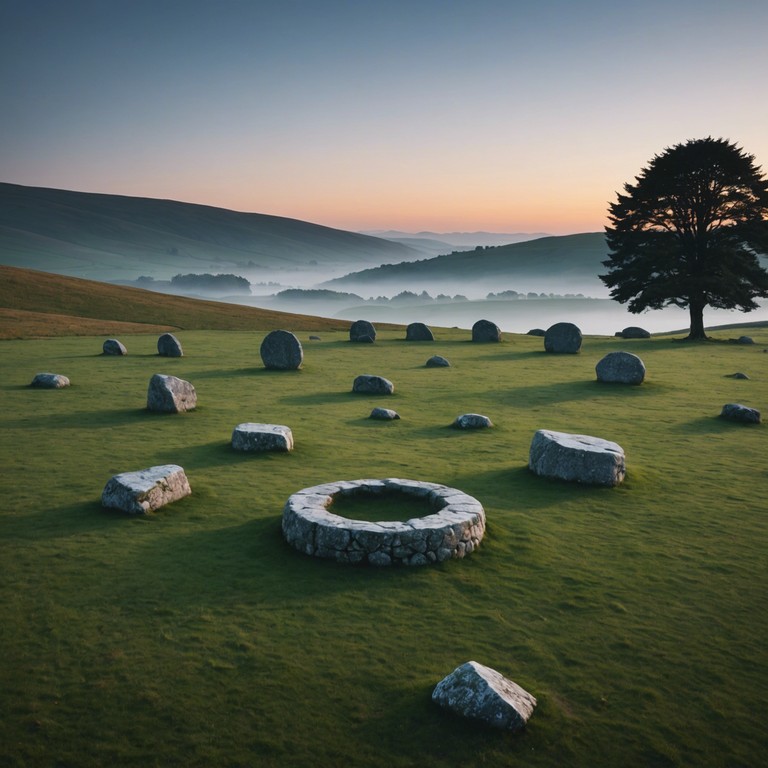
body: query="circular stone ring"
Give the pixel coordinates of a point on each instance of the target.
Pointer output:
(454, 526)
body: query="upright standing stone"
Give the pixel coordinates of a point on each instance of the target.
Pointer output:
(480, 693)
(114, 347)
(419, 332)
(562, 338)
(362, 332)
(169, 346)
(169, 394)
(282, 351)
(620, 368)
(486, 331)
(146, 490)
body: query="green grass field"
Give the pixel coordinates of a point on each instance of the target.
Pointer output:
(196, 637)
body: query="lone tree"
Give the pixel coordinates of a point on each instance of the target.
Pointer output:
(689, 232)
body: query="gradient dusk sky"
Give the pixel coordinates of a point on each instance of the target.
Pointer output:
(437, 115)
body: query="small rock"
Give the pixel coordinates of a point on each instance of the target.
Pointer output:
(563, 338)
(281, 351)
(486, 331)
(437, 361)
(169, 346)
(742, 413)
(362, 332)
(314, 338)
(745, 340)
(620, 368)
(368, 384)
(114, 347)
(250, 436)
(418, 332)
(169, 394)
(146, 490)
(49, 381)
(737, 375)
(480, 693)
(537, 332)
(472, 421)
(385, 414)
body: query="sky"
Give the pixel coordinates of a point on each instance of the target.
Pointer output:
(439, 115)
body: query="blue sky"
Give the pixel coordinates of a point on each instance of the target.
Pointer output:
(446, 116)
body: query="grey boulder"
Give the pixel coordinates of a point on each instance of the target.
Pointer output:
(562, 338)
(620, 368)
(368, 384)
(634, 332)
(49, 381)
(537, 332)
(739, 412)
(251, 436)
(384, 414)
(419, 332)
(169, 394)
(281, 351)
(362, 332)
(486, 331)
(169, 346)
(114, 347)
(472, 421)
(437, 361)
(480, 693)
(576, 458)
(146, 490)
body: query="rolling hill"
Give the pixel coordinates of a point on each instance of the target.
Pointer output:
(34, 304)
(112, 237)
(568, 263)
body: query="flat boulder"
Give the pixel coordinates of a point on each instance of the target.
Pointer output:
(384, 414)
(250, 436)
(169, 394)
(537, 332)
(146, 490)
(739, 412)
(745, 340)
(362, 332)
(472, 421)
(113, 347)
(437, 361)
(367, 384)
(634, 332)
(281, 351)
(480, 693)
(576, 458)
(169, 346)
(49, 381)
(562, 339)
(419, 332)
(620, 368)
(737, 375)
(485, 331)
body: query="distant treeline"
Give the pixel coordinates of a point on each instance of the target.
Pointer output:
(302, 294)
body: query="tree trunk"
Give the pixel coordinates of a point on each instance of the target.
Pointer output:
(696, 332)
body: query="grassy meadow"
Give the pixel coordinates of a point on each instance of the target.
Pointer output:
(196, 637)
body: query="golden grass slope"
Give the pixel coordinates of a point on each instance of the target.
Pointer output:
(38, 304)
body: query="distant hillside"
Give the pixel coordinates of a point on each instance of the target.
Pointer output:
(111, 237)
(42, 304)
(568, 263)
(463, 239)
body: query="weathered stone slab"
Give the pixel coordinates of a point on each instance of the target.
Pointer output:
(146, 490)
(485, 331)
(577, 458)
(634, 332)
(251, 436)
(281, 351)
(452, 527)
(169, 394)
(419, 332)
(563, 339)
(472, 421)
(437, 361)
(620, 368)
(480, 693)
(362, 332)
(739, 412)
(384, 414)
(49, 381)
(113, 347)
(169, 346)
(369, 384)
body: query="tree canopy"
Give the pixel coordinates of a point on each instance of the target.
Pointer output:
(688, 232)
